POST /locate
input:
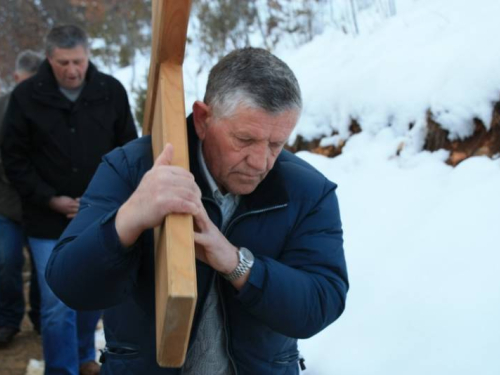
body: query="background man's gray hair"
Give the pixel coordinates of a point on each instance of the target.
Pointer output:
(28, 61)
(67, 37)
(253, 77)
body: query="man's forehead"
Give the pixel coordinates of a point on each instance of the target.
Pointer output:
(257, 113)
(78, 52)
(248, 122)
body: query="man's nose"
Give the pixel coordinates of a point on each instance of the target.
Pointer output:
(72, 70)
(257, 157)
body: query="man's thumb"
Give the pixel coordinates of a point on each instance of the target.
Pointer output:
(166, 155)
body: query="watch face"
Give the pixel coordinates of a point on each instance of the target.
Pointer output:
(247, 255)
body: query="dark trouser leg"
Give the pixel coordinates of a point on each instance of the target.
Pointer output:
(11, 282)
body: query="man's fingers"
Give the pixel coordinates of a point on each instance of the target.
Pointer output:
(201, 240)
(175, 177)
(182, 206)
(200, 253)
(202, 220)
(166, 156)
(189, 193)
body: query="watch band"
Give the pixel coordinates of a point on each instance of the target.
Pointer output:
(246, 261)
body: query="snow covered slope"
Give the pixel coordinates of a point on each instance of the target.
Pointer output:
(440, 55)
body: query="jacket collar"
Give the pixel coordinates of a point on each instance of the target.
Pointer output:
(269, 193)
(46, 88)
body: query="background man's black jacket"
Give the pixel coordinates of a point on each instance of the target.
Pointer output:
(10, 203)
(52, 146)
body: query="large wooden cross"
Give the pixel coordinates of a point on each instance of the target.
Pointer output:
(165, 120)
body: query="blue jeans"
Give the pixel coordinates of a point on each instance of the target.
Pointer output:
(11, 281)
(67, 335)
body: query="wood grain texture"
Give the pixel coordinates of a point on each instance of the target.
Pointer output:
(164, 119)
(170, 23)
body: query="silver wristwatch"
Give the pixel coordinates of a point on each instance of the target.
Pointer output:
(246, 262)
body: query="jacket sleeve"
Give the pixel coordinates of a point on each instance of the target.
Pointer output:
(89, 269)
(305, 289)
(125, 130)
(16, 149)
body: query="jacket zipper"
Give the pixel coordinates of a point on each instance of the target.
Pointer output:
(225, 325)
(221, 300)
(239, 218)
(225, 233)
(219, 292)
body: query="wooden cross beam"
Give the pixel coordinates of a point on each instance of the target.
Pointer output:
(165, 120)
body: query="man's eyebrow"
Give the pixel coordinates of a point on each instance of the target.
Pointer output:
(65, 59)
(244, 136)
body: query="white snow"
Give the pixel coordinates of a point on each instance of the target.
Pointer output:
(421, 242)
(35, 367)
(435, 54)
(421, 238)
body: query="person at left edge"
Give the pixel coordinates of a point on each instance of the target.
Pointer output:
(11, 234)
(58, 125)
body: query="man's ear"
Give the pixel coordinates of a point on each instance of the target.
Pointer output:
(201, 112)
(49, 59)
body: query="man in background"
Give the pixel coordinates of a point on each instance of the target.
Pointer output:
(11, 238)
(57, 127)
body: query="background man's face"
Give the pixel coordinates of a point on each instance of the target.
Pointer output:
(69, 66)
(240, 150)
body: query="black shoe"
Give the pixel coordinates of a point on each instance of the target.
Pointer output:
(6, 335)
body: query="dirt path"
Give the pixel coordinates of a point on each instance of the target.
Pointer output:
(26, 345)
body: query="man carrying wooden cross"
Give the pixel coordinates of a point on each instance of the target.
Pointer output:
(270, 261)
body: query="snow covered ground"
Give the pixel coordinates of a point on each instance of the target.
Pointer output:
(421, 238)
(421, 241)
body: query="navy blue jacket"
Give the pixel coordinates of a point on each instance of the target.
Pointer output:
(296, 287)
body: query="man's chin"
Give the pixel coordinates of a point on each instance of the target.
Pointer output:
(242, 188)
(72, 85)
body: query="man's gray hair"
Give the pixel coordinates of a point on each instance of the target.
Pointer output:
(255, 78)
(66, 37)
(28, 61)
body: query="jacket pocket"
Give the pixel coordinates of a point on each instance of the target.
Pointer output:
(121, 359)
(115, 350)
(286, 363)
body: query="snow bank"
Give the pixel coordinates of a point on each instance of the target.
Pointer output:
(421, 241)
(435, 54)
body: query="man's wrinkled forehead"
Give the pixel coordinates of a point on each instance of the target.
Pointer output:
(78, 51)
